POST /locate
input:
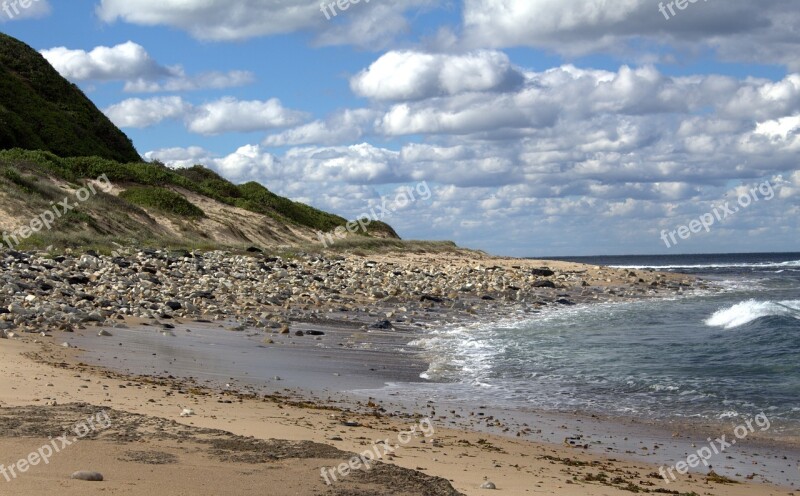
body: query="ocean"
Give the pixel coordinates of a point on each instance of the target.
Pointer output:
(718, 355)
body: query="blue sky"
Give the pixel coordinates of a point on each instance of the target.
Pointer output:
(570, 127)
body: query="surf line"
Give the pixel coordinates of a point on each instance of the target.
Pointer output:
(787, 307)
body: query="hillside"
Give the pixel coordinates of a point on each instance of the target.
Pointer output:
(148, 204)
(55, 144)
(40, 110)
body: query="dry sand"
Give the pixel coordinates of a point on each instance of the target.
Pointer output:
(151, 450)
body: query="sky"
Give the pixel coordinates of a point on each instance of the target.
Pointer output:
(525, 127)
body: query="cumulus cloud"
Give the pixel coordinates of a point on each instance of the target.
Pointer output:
(411, 75)
(182, 82)
(232, 115)
(366, 24)
(738, 30)
(347, 125)
(221, 116)
(131, 63)
(139, 113)
(125, 61)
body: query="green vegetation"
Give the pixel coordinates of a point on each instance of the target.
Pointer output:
(163, 200)
(27, 175)
(54, 140)
(250, 196)
(40, 110)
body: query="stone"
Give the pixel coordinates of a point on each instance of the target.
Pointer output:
(488, 485)
(174, 305)
(88, 476)
(104, 333)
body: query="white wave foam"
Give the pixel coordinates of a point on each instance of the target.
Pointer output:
(750, 310)
(763, 265)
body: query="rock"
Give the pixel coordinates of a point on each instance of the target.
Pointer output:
(544, 284)
(174, 305)
(104, 333)
(544, 272)
(17, 309)
(381, 324)
(488, 485)
(284, 329)
(253, 249)
(299, 333)
(315, 333)
(564, 301)
(78, 280)
(434, 299)
(88, 476)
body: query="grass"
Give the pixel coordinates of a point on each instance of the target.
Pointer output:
(365, 246)
(249, 196)
(162, 200)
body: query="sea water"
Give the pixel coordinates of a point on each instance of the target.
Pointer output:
(718, 355)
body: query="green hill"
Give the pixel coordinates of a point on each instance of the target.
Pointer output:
(40, 110)
(54, 143)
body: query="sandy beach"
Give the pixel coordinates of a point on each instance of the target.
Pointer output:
(226, 442)
(228, 445)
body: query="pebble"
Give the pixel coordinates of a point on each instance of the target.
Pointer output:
(74, 290)
(488, 485)
(88, 476)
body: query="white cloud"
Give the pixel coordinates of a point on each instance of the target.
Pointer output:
(739, 30)
(139, 113)
(366, 24)
(125, 61)
(232, 115)
(182, 82)
(131, 63)
(410, 75)
(216, 117)
(345, 126)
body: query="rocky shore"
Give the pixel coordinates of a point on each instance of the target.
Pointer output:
(41, 292)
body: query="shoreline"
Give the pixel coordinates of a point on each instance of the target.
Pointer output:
(357, 302)
(514, 465)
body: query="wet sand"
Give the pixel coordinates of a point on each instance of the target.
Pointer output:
(464, 453)
(281, 382)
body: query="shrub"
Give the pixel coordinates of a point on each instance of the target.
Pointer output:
(163, 200)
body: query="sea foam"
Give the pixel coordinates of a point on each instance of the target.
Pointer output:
(750, 310)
